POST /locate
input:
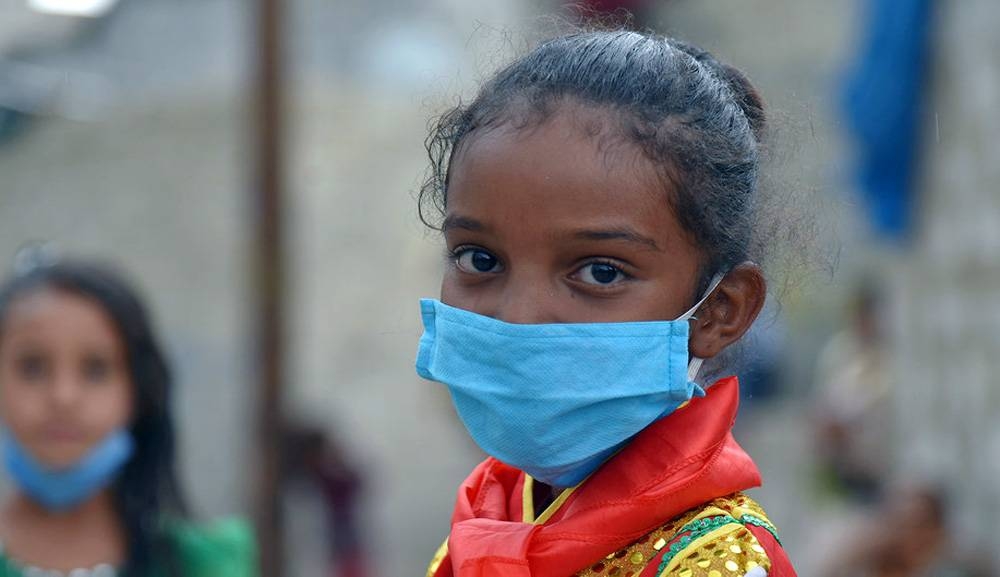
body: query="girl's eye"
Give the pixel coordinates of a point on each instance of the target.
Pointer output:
(476, 261)
(32, 367)
(600, 273)
(96, 369)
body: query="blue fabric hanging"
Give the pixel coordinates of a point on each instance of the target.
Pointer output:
(882, 102)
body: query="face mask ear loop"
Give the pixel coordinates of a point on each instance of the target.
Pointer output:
(694, 365)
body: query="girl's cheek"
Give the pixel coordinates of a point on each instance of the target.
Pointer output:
(475, 297)
(118, 406)
(452, 295)
(20, 412)
(451, 287)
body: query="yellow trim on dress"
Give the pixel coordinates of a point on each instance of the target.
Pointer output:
(729, 551)
(439, 556)
(711, 555)
(528, 516)
(633, 559)
(528, 502)
(732, 550)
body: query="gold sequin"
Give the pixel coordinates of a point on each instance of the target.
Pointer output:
(731, 551)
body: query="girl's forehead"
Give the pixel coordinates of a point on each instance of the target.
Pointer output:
(572, 164)
(59, 314)
(46, 300)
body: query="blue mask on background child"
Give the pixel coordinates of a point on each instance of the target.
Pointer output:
(62, 489)
(556, 400)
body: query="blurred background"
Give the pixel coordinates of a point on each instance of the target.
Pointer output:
(253, 166)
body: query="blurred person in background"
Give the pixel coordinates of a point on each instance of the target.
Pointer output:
(595, 199)
(88, 437)
(906, 537)
(853, 402)
(316, 458)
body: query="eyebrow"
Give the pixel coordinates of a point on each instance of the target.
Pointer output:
(625, 234)
(462, 222)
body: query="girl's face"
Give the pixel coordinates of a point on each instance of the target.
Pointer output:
(552, 225)
(561, 223)
(64, 379)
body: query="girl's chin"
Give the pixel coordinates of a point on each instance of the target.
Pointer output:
(60, 457)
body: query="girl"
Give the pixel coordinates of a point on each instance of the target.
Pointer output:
(88, 438)
(597, 200)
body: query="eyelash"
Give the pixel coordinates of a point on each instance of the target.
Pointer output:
(453, 255)
(617, 265)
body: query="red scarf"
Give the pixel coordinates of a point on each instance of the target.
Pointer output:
(675, 464)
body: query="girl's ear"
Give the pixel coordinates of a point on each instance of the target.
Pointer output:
(729, 312)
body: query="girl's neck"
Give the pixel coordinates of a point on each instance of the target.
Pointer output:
(542, 496)
(97, 507)
(83, 537)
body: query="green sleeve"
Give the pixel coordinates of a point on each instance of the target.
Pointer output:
(225, 548)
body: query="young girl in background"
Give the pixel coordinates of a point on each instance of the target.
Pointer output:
(88, 438)
(598, 202)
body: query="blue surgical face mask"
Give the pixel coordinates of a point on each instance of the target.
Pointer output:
(62, 489)
(556, 400)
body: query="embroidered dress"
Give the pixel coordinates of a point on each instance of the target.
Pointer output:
(670, 503)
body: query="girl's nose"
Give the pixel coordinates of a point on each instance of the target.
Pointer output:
(65, 389)
(527, 300)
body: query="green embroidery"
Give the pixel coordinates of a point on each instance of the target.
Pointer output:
(753, 520)
(702, 527)
(692, 531)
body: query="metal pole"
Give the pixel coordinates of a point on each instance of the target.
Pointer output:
(270, 281)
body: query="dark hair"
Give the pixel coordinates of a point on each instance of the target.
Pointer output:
(147, 490)
(698, 120)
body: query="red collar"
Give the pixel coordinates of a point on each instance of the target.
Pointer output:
(675, 464)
